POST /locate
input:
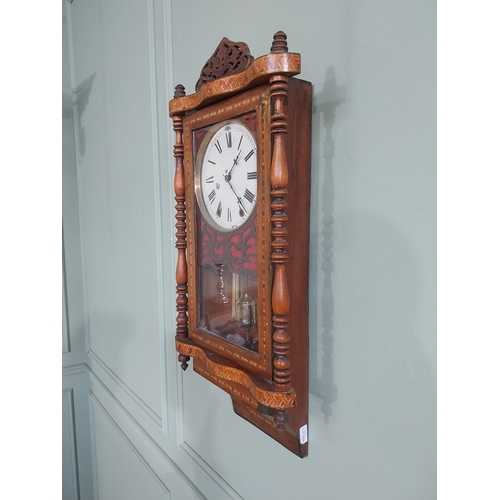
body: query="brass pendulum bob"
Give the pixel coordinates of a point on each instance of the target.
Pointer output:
(246, 314)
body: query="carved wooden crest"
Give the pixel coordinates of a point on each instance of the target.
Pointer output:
(229, 58)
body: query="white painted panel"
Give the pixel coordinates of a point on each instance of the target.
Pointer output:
(118, 185)
(122, 473)
(69, 469)
(77, 466)
(184, 472)
(116, 431)
(75, 384)
(74, 348)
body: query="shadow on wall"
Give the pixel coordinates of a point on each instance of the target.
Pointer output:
(321, 382)
(378, 293)
(80, 95)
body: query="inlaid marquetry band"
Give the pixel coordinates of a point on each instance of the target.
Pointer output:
(285, 63)
(277, 400)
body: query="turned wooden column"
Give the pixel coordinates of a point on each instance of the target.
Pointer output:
(181, 274)
(279, 255)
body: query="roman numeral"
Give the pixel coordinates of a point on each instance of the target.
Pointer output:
(229, 216)
(219, 209)
(249, 195)
(211, 196)
(239, 144)
(218, 146)
(249, 155)
(229, 140)
(251, 175)
(209, 179)
(212, 162)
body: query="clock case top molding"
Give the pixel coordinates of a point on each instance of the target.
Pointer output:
(268, 386)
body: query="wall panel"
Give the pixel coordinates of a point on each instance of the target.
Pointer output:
(121, 470)
(117, 190)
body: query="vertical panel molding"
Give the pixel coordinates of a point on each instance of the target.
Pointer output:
(70, 471)
(159, 130)
(66, 345)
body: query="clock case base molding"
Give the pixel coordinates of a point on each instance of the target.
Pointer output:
(253, 395)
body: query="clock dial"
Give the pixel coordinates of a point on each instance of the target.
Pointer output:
(226, 176)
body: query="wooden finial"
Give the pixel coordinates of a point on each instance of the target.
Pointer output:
(180, 91)
(279, 43)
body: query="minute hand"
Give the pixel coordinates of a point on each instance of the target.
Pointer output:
(239, 200)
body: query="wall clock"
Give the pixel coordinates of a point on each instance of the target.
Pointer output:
(242, 191)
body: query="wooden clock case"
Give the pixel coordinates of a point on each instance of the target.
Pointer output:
(269, 388)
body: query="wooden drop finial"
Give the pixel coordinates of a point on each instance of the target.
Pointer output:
(180, 91)
(279, 43)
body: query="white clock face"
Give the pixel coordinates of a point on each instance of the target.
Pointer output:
(226, 183)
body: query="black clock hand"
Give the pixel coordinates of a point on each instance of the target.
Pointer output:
(234, 165)
(242, 209)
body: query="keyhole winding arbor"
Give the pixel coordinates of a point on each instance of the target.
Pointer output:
(242, 192)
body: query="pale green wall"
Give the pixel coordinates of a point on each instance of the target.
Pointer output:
(373, 237)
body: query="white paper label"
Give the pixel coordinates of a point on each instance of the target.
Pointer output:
(303, 434)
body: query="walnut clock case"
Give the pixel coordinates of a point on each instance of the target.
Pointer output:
(242, 188)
